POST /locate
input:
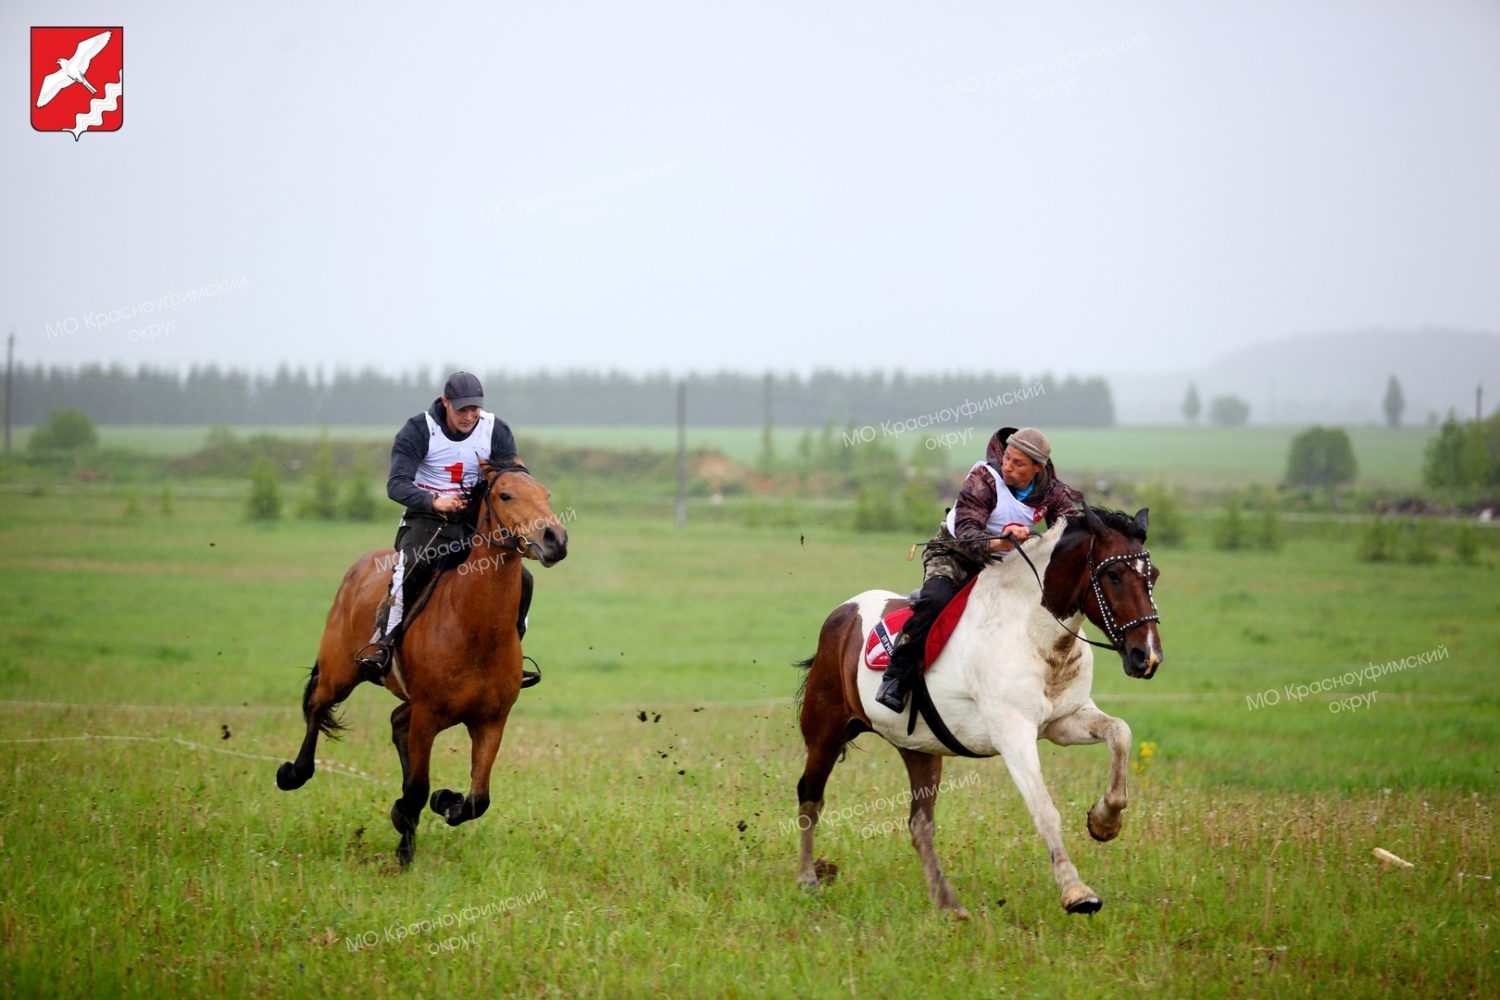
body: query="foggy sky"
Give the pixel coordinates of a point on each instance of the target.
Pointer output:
(1081, 188)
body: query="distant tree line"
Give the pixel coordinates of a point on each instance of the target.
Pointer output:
(213, 396)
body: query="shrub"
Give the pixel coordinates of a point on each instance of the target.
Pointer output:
(264, 503)
(1268, 532)
(1229, 411)
(322, 502)
(359, 503)
(1378, 542)
(1321, 456)
(1463, 455)
(65, 430)
(1166, 525)
(1466, 544)
(873, 509)
(1418, 546)
(1229, 532)
(921, 508)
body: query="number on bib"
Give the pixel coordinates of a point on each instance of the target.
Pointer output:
(455, 472)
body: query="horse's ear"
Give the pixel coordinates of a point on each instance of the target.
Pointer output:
(1096, 526)
(1141, 518)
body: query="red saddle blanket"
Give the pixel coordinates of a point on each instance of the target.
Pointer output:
(882, 638)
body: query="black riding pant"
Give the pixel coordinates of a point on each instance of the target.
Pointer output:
(937, 591)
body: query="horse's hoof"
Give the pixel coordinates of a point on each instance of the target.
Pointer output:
(287, 778)
(1081, 899)
(1101, 831)
(447, 804)
(405, 827)
(959, 913)
(826, 871)
(404, 854)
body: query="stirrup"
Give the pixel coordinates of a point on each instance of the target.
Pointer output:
(374, 665)
(530, 678)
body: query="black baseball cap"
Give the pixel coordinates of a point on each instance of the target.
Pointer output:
(463, 389)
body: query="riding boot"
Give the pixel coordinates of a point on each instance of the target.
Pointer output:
(528, 677)
(906, 657)
(375, 658)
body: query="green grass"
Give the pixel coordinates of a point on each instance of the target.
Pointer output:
(157, 857)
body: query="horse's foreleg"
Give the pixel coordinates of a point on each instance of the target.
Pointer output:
(1016, 739)
(1089, 725)
(484, 741)
(400, 726)
(421, 729)
(926, 773)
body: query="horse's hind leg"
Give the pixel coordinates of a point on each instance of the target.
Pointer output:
(1016, 739)
(824, 734)
(484, 738)
(420, 728)
(926, 773)
(325, 689)
(1089, 725)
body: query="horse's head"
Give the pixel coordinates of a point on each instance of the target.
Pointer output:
(1114, 589)
(514, 514)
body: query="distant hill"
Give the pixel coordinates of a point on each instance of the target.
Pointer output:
(1331, 378)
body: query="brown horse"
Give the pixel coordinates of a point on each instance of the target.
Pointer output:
(1013, 672)
(459, 661)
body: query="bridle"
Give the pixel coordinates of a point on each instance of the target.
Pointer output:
(1117, 632)
(512, 542)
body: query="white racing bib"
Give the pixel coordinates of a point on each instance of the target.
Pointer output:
(452, 467)
(1008, 510)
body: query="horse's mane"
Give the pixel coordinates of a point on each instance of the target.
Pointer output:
(1116, 520)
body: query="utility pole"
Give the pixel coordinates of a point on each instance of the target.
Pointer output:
(10, 384)
(681, 518)
(1478, 409)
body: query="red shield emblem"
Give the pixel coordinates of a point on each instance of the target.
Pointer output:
(77, 79)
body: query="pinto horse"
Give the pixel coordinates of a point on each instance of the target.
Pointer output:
(460, 661)
(1014, 671)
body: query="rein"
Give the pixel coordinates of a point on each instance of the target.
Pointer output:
(1114, 646)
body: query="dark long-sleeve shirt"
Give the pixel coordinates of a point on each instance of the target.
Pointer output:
(410, 448)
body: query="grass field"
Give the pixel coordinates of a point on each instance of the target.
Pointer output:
(1186, 456)
(150, 683)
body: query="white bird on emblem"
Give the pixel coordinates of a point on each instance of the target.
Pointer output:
(71, 70)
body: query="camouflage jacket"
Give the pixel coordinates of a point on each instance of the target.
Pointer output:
(976, 499)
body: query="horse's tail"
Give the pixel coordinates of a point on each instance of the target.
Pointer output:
(802, 688)
(328, 723)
